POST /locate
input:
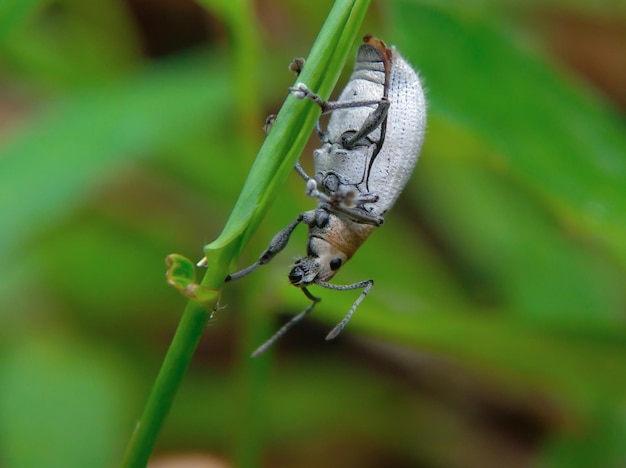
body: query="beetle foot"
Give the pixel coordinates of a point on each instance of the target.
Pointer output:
(269, 122)
(296, 65)
(301, 91)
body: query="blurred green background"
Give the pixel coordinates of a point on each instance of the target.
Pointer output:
(495, 334)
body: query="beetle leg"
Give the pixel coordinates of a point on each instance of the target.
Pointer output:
(371, 123)
(337, 203)
(269, 122)
(278, 243)
(360, 216)
(296, 65)
(321, 134)
(366, 285)
(301, 91)
(301, 171)
(313, 192)
(314, 300)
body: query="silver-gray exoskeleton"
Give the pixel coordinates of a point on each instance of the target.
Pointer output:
(372, 142)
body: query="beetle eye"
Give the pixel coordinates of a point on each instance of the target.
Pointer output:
(335, 264)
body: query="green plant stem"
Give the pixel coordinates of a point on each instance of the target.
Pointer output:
(174, 366)
(274, 162)
(176, 362)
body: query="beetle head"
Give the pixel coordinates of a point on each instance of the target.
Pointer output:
(321, 263)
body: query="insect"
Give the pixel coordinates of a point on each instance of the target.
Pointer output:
(369, 149)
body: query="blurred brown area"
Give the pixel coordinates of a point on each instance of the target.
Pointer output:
(594, 47)
(171, 26)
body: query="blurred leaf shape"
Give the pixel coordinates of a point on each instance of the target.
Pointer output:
(54, 162)
(13, 13)
(66, 44)
(563, 143)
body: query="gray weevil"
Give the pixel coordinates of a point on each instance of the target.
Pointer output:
(369, 150)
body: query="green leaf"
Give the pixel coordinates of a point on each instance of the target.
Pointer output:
(181, 273)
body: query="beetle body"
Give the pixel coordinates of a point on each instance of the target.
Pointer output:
(368, 153)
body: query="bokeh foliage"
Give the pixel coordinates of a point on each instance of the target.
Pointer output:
(499, 276)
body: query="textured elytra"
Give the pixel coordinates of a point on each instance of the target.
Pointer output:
(386, 173)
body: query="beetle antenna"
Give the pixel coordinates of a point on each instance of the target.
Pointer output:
(366, 285)
(242, 273)
(278, 243)
(285, 328)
